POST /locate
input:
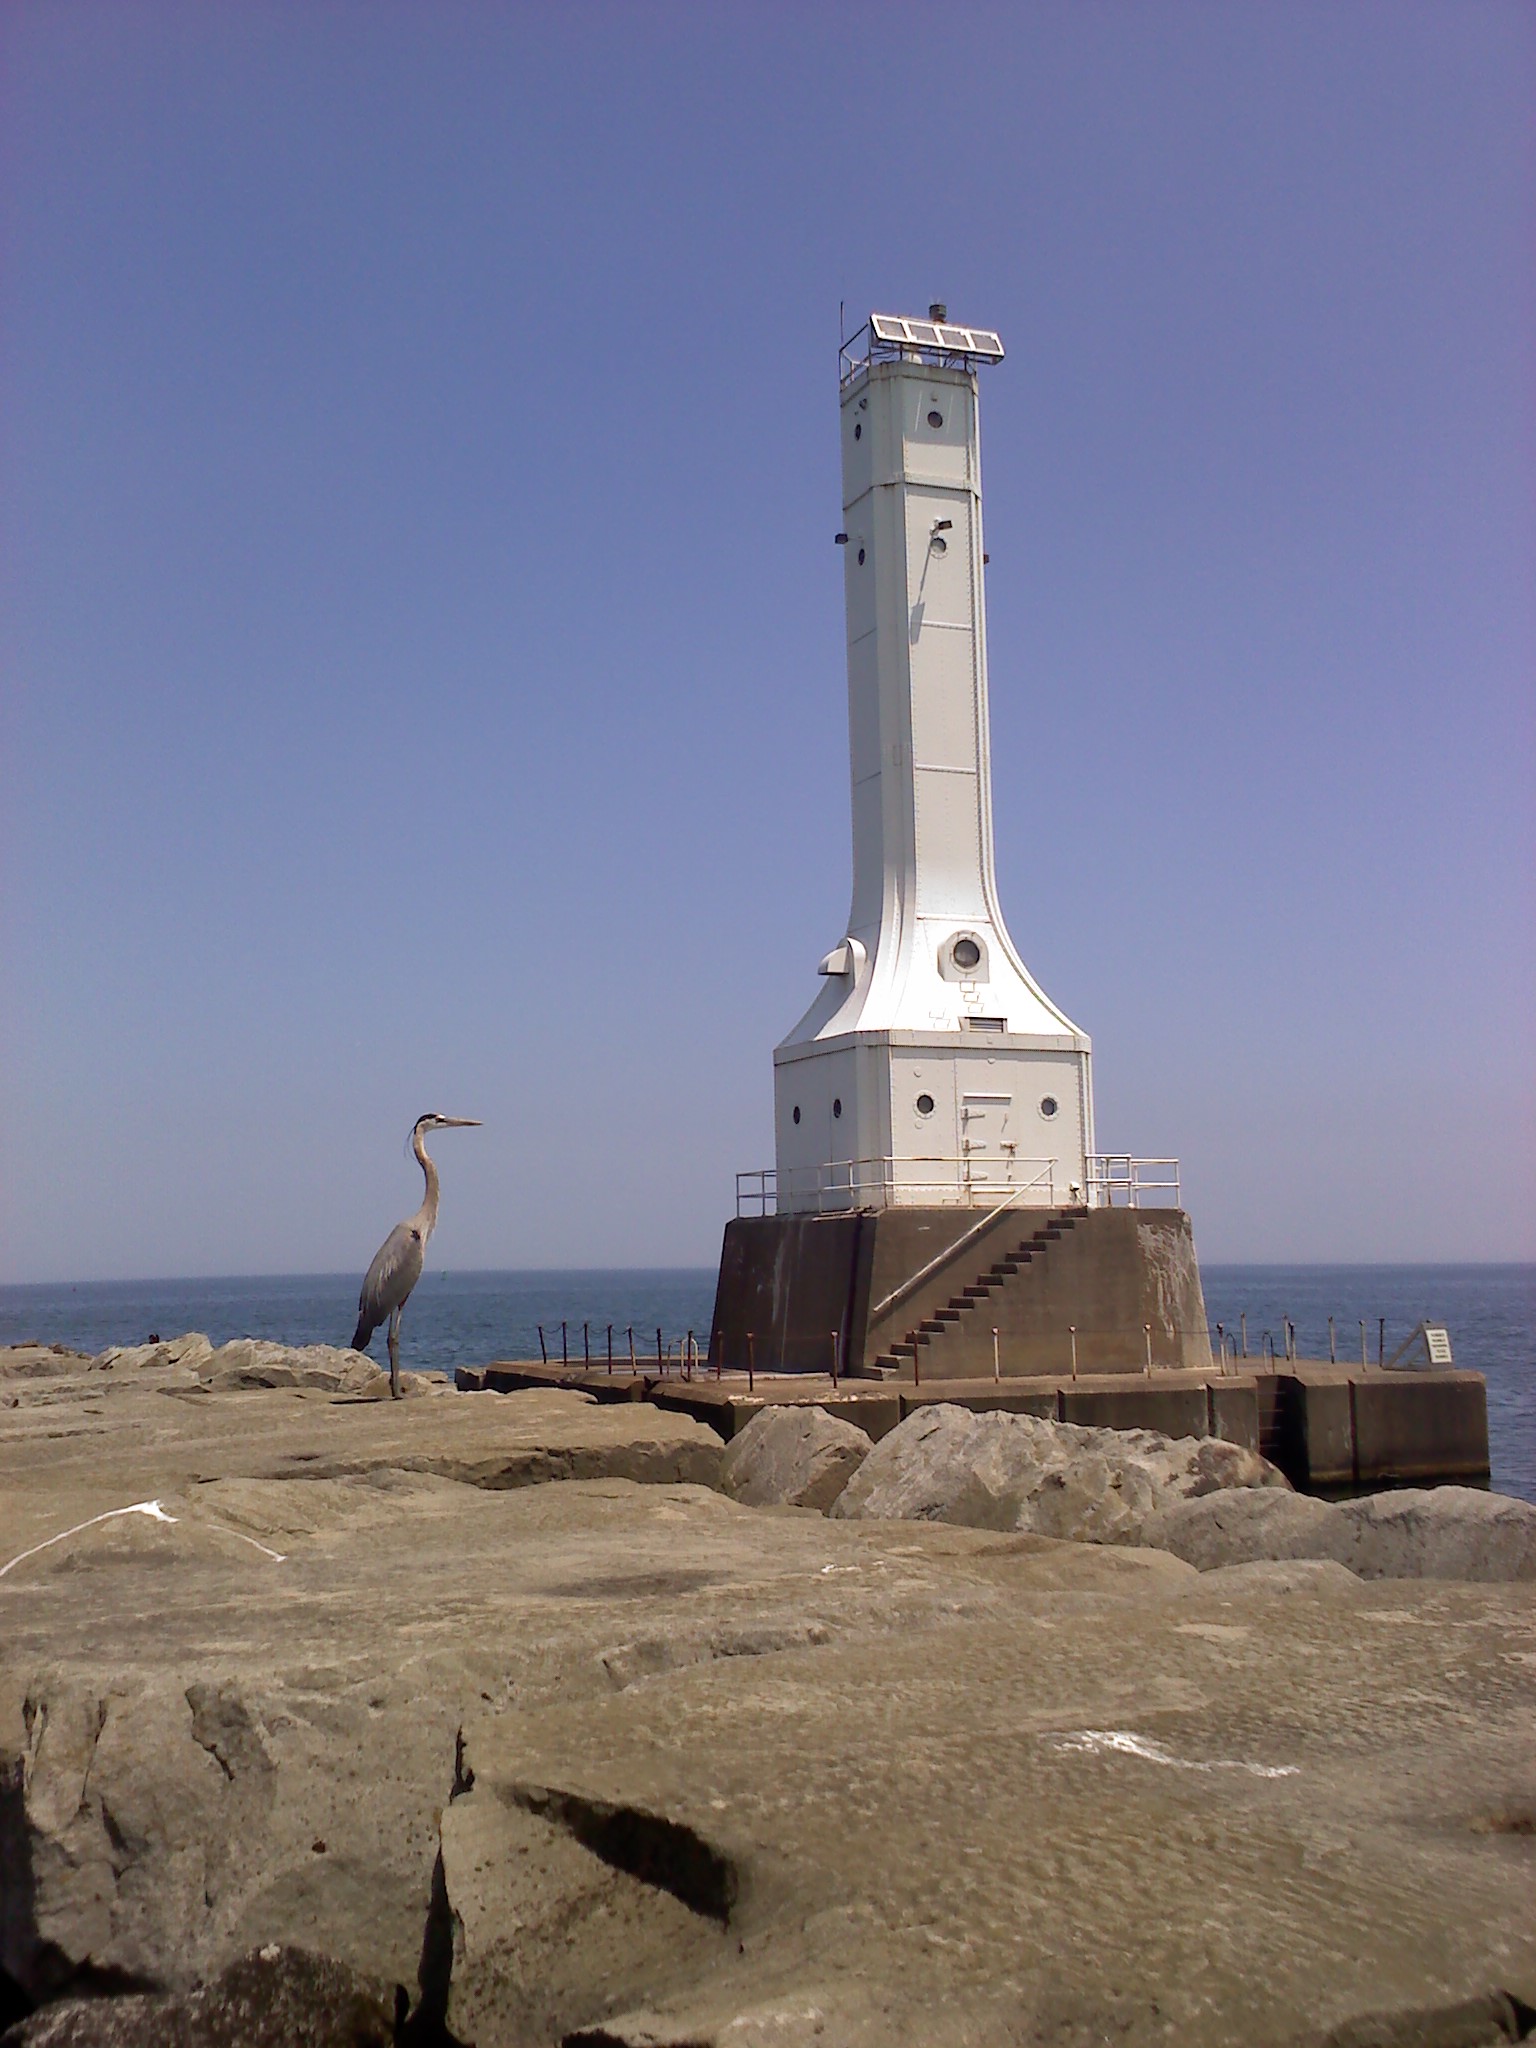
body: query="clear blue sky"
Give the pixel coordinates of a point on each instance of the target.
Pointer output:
(422, 643)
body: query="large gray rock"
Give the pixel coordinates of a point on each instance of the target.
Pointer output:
(1441, 1532)
(1003, 1471)
(254, 1362)
(38, 1375)
(792, 1456)
(1247, 1526)
(40, 1361)
(1061, 1820)
(190, 1352)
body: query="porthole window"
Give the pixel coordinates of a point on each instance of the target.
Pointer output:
(861, 558)
(837, 1105)
(1048, 1106)
(967, 953)
(925, 1105)
(939, 544)
(797, 1112)
(858, 429)
(935, 419)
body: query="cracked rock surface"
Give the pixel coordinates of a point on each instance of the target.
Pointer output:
(619, 1759)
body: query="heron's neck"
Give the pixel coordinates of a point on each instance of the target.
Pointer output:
(426, 1215)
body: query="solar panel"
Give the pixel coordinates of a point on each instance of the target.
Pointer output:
(899, 332)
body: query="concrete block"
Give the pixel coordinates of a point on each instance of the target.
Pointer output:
(1232, 1412)
(1422, 1425)
(1176, 1411)
(1324, 1433)
(977, 1397)
(729, 1410)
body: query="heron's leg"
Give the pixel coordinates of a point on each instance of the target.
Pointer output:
(394, 1353)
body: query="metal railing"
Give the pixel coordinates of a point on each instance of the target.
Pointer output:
(1116, 1180)
(959, 1181)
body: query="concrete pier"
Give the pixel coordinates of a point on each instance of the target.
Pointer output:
(1332, 1429)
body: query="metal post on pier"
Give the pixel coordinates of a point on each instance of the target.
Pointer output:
(564, 1360)
(1147, 1331)
(629, 1331)
(1363, 1359)
(1243, 1319)
(1333, 1353)
(835, 1339)
(586, 1345)
(1381, 1340)
(751, 1361)
(1072, 1334)
(544, 1349)
(661, 1363)
(997, 1370)
(610, 1350)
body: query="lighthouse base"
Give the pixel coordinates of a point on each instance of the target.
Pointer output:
(944, 1293)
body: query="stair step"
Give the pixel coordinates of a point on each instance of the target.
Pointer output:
(944, 1315)
(1004, 1267)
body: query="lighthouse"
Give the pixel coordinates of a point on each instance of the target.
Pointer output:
(931, 1069)
(937, 1207)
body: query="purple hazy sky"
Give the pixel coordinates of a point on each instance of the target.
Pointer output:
(422, 638)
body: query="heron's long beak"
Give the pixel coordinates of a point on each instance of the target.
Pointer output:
(460, 1123)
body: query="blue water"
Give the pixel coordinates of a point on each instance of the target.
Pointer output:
(1490, 1312)
(469, 1318)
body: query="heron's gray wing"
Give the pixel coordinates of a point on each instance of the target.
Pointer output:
(395, 1270)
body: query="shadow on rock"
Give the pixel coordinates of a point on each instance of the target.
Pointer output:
(270, 1998)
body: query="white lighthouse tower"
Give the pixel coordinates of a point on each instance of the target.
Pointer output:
(931, 1069)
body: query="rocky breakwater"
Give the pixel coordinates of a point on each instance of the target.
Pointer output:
(624, 1759)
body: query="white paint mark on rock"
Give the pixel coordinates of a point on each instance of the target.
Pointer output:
(152, 1509)
(1121, 1742)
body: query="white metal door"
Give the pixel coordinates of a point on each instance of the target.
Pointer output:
(986, 1141)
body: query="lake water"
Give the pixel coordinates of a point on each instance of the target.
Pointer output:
(468, 1318)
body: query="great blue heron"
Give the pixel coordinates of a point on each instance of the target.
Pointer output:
(399, 1259)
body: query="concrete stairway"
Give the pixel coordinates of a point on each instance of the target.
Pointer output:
(954, 1325)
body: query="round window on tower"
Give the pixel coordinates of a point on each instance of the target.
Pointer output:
(797, 1112)
(966, 953)
(1048, 1106)
(939, 544)
(858, 429)
(935, 419)
(925, 1105)
(861, 558)
(837, 1105)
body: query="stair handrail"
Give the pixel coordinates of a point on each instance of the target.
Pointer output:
(983, 1222)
